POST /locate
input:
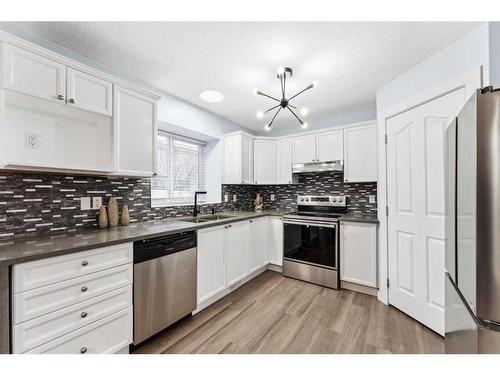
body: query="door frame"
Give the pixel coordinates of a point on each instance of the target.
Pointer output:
(470, 80)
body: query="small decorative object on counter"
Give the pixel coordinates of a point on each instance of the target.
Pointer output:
(259, 202)
(103, 218)
(124, 217)
(113, 212)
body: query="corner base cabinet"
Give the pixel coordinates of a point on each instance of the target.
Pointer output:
(358, 253)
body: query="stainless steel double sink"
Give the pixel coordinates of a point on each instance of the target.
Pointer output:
(205, 219)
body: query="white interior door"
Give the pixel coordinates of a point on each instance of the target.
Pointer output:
(415, 195)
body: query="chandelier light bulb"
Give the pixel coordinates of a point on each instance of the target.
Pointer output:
(267, 127)
(304, 111)
(256, 91)
(314, 83)
(304, 125)
(280, 71)
(260, 114)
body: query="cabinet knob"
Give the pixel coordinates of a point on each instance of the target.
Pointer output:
(251, 221)
(84, 289)
(83, 350)
(60, 97)
(85, 263)
(72, 101)
(230, 226)
(83, 314)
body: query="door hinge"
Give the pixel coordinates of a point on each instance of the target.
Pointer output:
(386, 139)
(386, 210)
(387, 282)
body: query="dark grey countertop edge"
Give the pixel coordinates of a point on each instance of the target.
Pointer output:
(178, 226)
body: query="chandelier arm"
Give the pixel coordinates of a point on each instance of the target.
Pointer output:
(300, 92)
(276, 114)
(269, 96)
(270, 109)
(282, 86)
(297, 117)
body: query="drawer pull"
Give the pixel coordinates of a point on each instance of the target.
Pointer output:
(85, 263)
(83, 314)
(83, 350)
(84, 288)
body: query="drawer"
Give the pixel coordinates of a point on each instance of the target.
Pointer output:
(35, 332)
(31, 275)
(108, 335)
(37, 302)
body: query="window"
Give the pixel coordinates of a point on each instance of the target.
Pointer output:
(181, 170)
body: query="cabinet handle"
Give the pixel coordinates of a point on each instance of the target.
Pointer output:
(85, 263)
(225, 227)
(60, 97)
(84, 289)
(72, 101)
(251, 221)
(230, 226)
(83, 314)
(83, 350)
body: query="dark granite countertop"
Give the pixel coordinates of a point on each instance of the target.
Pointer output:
(26, 249)
(359, 218)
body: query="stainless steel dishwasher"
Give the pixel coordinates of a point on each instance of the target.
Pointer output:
(164, 282)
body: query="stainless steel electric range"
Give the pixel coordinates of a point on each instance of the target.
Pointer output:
(311, 240)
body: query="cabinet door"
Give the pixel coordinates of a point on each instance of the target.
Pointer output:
(237, 251)
(246, 160)
(259, 243)
(276, 240)
(284, 162)
(360, 150)
(232, 160)
(304, 149)
(264, 161)
(330, 146)
(135, 121)
(211, 263)
(358, 253)
(88, 92)
(32, 74)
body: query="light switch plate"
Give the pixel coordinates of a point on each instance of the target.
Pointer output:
(85, 203)
(226, 198)
(372, 198)
(96, 203)
(272, 197)
(235, 198)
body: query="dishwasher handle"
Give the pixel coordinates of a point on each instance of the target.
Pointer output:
(149, 249)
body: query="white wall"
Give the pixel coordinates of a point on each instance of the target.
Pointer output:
(495, 54)
(470, 51)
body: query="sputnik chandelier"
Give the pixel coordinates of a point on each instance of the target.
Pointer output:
(284, 103)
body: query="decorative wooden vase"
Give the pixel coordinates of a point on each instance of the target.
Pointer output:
(113, 212)
(124, 217)
(102, 218)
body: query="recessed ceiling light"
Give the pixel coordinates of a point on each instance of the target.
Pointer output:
(211, 96)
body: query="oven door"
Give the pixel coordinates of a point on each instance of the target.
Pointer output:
(314, 243)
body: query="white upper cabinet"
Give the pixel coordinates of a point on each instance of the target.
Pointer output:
(87, 92)
(32, 74)
(358, 253)
(304, 149)
(238, 159)
(264, 161)
(360, 150)
(318, 147)
(135, 119)
(284, 161)
(330, 146)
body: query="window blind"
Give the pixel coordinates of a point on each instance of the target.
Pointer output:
(181, 170)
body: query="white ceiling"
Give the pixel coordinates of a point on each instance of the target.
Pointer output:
(349, 60)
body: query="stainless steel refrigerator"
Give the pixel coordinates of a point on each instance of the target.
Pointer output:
(472, 277)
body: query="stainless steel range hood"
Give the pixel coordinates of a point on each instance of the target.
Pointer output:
(324, 166)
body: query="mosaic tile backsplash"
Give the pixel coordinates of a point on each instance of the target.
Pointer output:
(32, 204)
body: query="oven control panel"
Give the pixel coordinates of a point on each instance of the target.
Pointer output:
(322, 200)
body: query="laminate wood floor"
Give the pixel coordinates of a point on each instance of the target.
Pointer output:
(275, 314)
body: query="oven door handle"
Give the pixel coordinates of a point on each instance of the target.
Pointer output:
(323, 224)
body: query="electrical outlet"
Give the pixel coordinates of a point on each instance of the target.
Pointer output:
(96, 203)
(85, 203)
(272, 197)
(372, 198)
(226, 198)
(31, 140)
(235, 198)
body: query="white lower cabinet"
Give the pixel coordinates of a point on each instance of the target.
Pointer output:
(53, 311)
(237, 251)
(211, 263)
(275, 238)
(259, 244)
(358, 253)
